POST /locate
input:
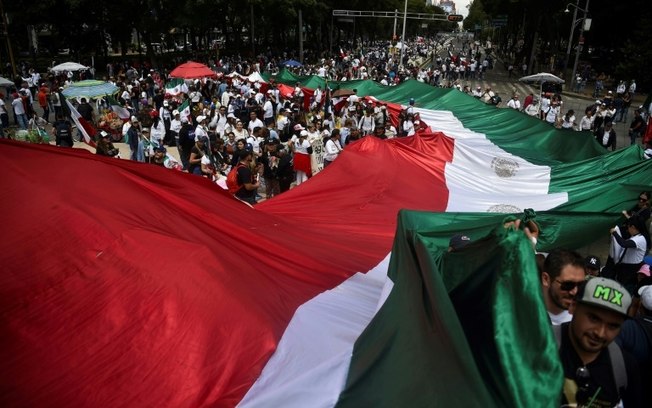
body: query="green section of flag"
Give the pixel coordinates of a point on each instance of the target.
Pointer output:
(184, 109)
(175, 86)
(516, 133)
(174, 82)
(467, 328)
(570, 158)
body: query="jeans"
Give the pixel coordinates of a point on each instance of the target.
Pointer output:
(139, 153)
(633, 135)
(46, 113)
(21, 121)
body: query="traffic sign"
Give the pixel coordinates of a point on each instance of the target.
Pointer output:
(455, 17)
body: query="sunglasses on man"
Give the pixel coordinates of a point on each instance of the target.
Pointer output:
(567, 286)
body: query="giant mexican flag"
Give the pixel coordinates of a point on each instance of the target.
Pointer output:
(154, 288)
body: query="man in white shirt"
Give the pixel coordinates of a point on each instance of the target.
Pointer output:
(317, 96)
(200, 130)
(298, 92)
(254, 122)
(514, 103)
(175, 126)
(545, 104)
(562, 271)
(19, 111)
(354, 99)
(367, 123)
(268, 109)
(587, 121)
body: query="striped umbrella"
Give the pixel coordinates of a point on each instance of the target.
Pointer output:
(90, 89)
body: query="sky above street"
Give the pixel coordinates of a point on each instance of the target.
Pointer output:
(460, 5)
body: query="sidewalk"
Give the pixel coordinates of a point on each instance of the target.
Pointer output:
(576, 101)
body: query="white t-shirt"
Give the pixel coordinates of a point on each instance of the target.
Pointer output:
(268, 109)
(19, 109)
(568, 124)
(514, 104)
(586, 123)
(636, 255)
(545, 103)
(300, 146)
(199, 132)
(175, 125)
(551, 114)
(254, 124)
(560, 318)
(333, 149)
(408, 126)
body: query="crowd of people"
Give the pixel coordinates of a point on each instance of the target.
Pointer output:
(249, 136)
(602, 315)
(225, 117)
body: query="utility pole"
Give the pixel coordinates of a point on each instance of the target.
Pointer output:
(395, 20)
(300, 37)
(253, 43)
(400, 63)
(580, 43)
(570, 38)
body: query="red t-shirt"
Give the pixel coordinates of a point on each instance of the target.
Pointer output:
(43, 99)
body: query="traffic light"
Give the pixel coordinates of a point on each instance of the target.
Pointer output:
(455, 17)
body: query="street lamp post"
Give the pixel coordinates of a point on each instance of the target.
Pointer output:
(570, 37)
(580, 41)
(400, 63)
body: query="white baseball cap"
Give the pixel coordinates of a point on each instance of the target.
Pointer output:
(646, 296)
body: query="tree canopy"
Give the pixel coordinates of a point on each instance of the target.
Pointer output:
(616, 44)
(244, 26)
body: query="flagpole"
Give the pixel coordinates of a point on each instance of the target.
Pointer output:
(400, 63)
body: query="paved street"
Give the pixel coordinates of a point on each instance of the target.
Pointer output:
(500, 82)
(498, 79)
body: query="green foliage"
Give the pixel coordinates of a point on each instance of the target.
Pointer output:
(84, 25)
(477, 15)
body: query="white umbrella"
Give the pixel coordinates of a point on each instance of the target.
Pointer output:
(5, 82)
(540, 79)
(69, 66)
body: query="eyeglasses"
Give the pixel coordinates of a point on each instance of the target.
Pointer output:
(642, 199)
(567, 286)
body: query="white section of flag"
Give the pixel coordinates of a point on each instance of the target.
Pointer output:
(484, 178)
(81, 123)
(311, 363)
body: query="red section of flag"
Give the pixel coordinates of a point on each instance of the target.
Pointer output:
(648, 132)
(128, 287)
(86, 129)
